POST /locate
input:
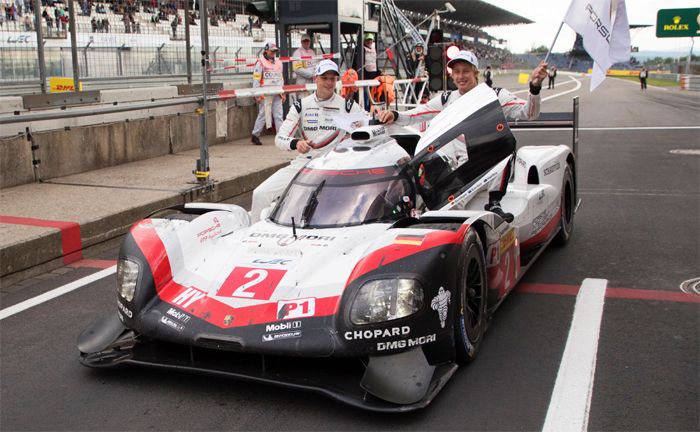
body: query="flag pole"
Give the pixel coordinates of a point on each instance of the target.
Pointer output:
(553, 42)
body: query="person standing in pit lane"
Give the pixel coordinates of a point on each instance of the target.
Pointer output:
(465, 74)
(488, 76)
(312, 116)
(552, 74)
(268, 73)
(643, 74)
(303, 68)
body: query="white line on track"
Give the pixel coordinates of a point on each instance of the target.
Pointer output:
(19, 307)
(621, 128)
(576, 88)
(571, 399)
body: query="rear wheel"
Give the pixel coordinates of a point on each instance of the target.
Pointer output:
(568, 204)
(470, 319)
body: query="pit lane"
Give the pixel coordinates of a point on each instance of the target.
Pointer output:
(637, 228)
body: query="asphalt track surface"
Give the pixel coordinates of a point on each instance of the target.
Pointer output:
(637, 228)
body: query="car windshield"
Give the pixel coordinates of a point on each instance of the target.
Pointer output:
(330, 198)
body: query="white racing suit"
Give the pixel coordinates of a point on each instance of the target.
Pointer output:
(268, 73)
(303, 70)
(514, 108)
(313, 119)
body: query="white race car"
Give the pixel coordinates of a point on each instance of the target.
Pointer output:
(371, 279)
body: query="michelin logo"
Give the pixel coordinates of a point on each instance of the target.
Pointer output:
(270, 337)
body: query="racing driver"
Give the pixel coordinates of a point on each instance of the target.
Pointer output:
(465, 74)
(312, 116)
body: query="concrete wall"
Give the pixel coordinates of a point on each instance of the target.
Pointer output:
(86, 148)
(15, 161)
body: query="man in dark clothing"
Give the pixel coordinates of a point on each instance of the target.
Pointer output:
(488, 76)
(552, 73)
(643, 74)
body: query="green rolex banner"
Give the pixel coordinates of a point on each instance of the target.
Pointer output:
(678, 22)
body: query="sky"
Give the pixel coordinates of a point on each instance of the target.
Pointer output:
(548, 14)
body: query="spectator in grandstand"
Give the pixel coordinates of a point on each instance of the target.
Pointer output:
(250, 25)
(370, 68)
(27, 23)
(19, 6)
(127, 23)
(105, 25)
(100, 8)
(465, 74)
(643, 74)
(313, 117)
(488, 76)
(268, 73)
(552, 74)
(173, 25)
(49, 22)
(93, 24)
(303, 68)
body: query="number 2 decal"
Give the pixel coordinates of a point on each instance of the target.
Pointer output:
(251, 283)
(259, 275)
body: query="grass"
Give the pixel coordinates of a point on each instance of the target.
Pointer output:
(652, 81)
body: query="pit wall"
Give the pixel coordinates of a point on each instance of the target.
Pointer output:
(78, 149)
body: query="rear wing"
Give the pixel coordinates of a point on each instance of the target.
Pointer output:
(556, 120)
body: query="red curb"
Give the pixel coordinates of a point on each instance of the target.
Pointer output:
(71, 243)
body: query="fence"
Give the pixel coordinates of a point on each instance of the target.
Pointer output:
(120, 38)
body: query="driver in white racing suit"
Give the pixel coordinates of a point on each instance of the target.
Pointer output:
(312, 118)
(465, 74)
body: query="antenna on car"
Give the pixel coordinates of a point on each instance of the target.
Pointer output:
(294, 229)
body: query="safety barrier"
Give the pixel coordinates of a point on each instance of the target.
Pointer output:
(250, 62)
(690, 82)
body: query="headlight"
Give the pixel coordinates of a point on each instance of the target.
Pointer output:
(385, 300)
(127, 275)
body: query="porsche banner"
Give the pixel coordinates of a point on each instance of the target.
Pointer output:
(606, 43)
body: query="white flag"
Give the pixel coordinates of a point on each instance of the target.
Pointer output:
(605, 43)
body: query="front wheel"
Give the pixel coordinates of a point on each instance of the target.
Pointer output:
(568, 204)
(470, 319)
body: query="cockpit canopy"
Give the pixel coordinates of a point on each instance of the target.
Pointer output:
(321, 198)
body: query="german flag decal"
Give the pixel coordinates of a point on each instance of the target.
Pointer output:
(409, 239)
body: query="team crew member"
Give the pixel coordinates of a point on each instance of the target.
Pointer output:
(312, 117)
(303, 68)
(643, 74)
(488, 76)
(268, 73)
(552, 73)
(370, 57)
(465, 74)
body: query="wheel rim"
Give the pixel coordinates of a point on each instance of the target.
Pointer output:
(474, 291)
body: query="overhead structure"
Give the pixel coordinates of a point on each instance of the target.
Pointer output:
(345, 21)
(469, 12)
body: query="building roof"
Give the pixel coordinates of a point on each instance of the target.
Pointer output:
(474, 12)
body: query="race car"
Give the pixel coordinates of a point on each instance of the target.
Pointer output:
(370, 281)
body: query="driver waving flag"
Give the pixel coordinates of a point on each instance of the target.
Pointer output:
(465, 74)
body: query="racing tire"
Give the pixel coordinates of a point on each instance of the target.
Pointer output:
(568, 205)
(470, 316)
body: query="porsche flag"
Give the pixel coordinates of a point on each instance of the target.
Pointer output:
(605, 43)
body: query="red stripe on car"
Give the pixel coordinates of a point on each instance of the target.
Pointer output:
(397, 251)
